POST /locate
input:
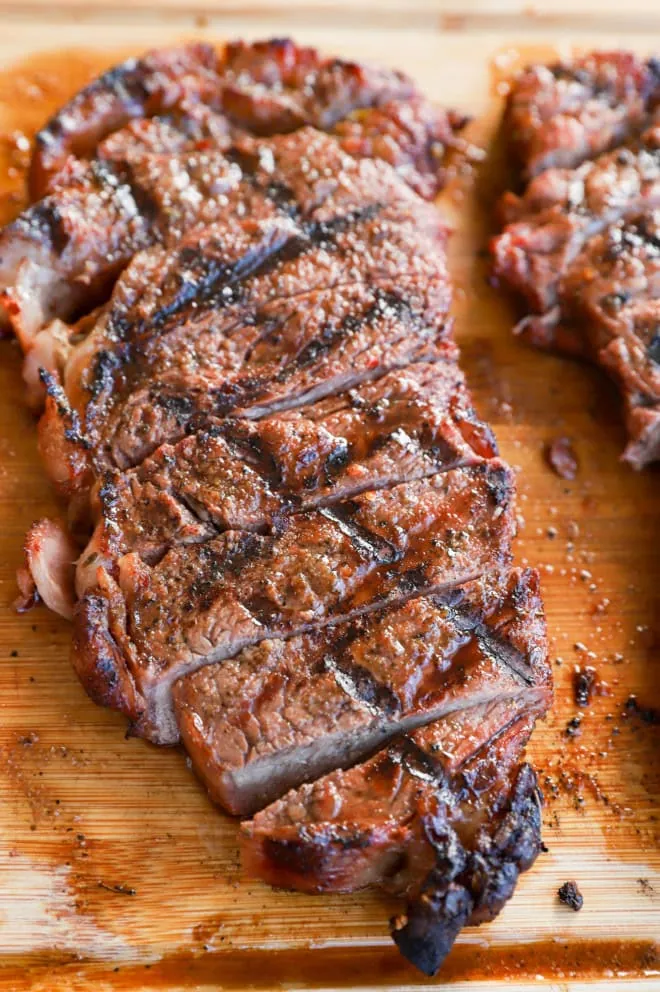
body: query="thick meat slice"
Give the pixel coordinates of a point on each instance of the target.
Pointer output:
(446, 817)
(548, 225)
(141, 87)
(286, 712)
(64, 252)
(232, 331)
(581, 247)
(268, 87)
(610, 302)
(243, 474)
(134, 637)
(562, 114)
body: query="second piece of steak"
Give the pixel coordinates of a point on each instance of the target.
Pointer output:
(581, 245)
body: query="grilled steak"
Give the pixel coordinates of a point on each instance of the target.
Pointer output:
(235, 309)
(284, 712)
(105, 193)
(580, 245)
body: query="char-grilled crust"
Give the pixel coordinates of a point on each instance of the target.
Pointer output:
(472, 885)
(580, 245)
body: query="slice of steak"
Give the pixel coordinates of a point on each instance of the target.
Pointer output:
(581, 246)
(562, 114)
(246, 318)
(632, 358)
(285, 712)
(136, 635)
(100, 163)
(447, 818)
(244, 475)
(63, 254)
(265, 87)
(561, 209)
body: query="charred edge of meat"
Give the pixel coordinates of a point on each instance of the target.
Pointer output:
(98, 660)
(471, 884)
(135, 88)
(74, 432)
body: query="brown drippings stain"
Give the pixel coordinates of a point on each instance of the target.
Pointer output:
(351, 967)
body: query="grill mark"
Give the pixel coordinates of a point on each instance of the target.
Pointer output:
(105, 364)
(45, 221)
(350, 325)
(362, 686)
(247, 548)
(418, 763)
(653, 350)
(219, 284)
(369, 546)
(249, 389)
(277, 191)
(503, 652)
(249, 448)
(74, 432)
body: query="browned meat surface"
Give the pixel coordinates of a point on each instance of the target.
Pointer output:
(445, 816)
(412, 135)
(246, 474)
(259, 316)
(562, 114)
(317, 567)
(235, 298)
(285, 712)
(580, 246)
(561, 209)
(105, 193)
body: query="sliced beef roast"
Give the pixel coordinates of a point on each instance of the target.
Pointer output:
(580, 246)
(235, 309)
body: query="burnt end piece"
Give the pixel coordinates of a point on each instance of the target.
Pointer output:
(471, 885)
(570, 896)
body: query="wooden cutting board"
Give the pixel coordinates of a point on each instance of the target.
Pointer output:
(115, 870)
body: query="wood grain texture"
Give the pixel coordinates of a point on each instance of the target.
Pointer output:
(83, 810)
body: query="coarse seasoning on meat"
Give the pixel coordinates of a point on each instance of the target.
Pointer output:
(288, 535)
(579, 245)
